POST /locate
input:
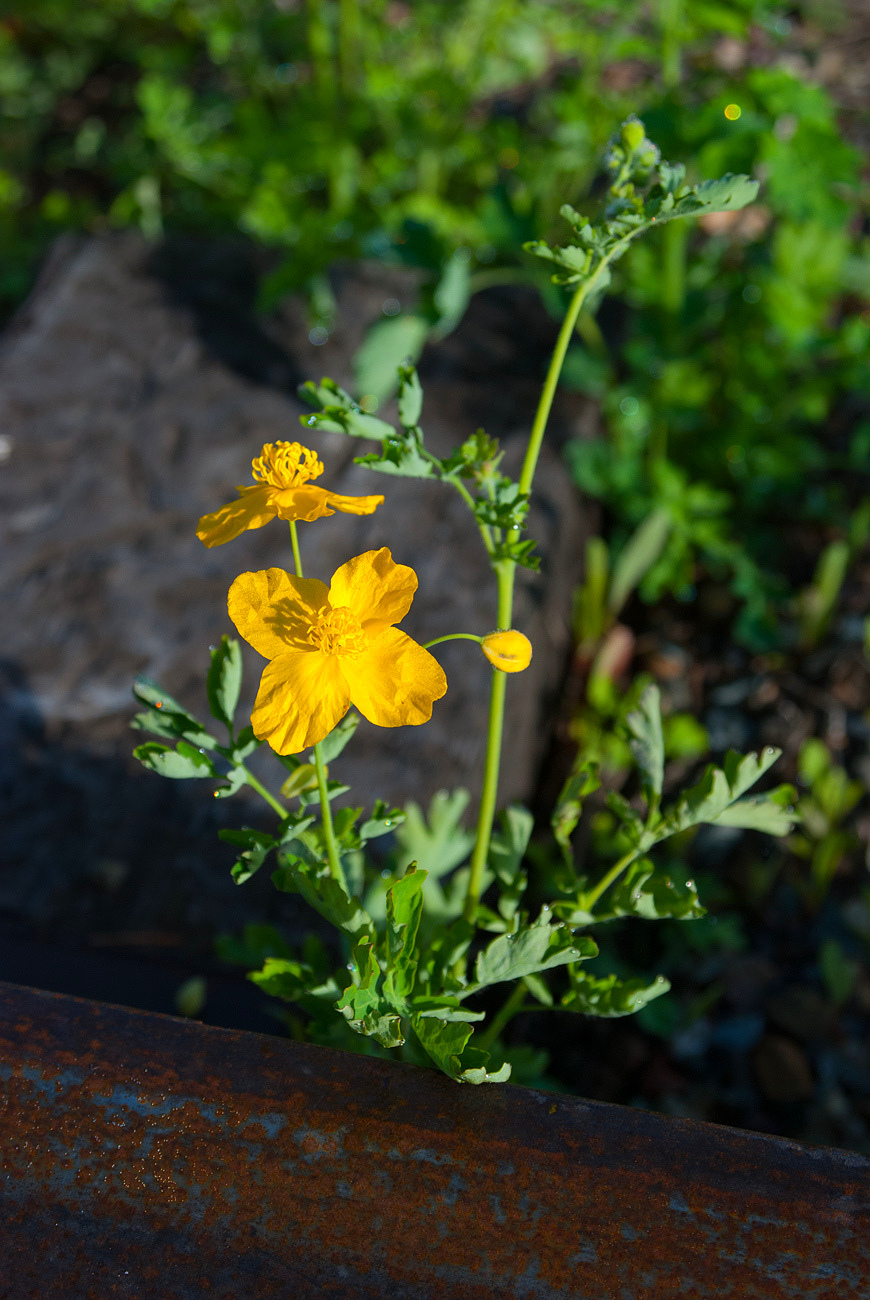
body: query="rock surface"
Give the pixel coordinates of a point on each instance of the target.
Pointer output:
(126, 415)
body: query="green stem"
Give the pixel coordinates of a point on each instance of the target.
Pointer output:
(263, 792)
(332, 852)
(591, 897)
(545, 404)
(453, 636)
(294, 539)
(511, 1007)
(495, 726)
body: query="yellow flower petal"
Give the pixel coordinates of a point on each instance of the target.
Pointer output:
(375, 588)
(395, 682)
(307, 503)
(302, 695)
(509, 651)
(274, 611)
(253, 509)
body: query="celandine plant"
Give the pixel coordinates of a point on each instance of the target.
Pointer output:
(422, 941)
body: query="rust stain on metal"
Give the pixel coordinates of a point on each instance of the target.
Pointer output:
(143, 1155)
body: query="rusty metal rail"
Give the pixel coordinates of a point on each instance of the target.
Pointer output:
(143, 1156)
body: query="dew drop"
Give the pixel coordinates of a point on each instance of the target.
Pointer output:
(388, 822)
(311, 421)
(770, 750)
(158, 704)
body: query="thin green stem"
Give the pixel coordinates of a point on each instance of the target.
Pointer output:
(495, 726)
(545, 404)
(332, 852)
(511, 1007)
(263, 792)
(294, 540)
(591, 896)
(453, 636)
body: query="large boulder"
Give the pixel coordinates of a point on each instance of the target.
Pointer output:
(126, 412)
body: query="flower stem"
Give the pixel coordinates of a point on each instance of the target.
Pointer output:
(453, 636)
(489, 791)
(294, 539)
(505, 571)
(261, 790)
(332, 853)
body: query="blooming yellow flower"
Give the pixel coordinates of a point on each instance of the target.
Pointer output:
(509, 651)
(330, 647)
(282, 489)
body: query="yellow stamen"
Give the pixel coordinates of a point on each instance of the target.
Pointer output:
(337, 632)
(286, 465)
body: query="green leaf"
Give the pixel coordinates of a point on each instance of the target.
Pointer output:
(651, 894)
(235, 778)
(453, 292)
(638, 556)
(224, 681)
(410, 397)
(647, 742)
(404, 906)
(728, 194)
(181, 764)
(382, 821)
(537, 948)
(333, 744)
(246, 743)
(401, 454)
(166, 717)
(717, 790)
(387, 345)
(324, 893)
(760, 812)
(609, 996)
(256, 846)
(582, 782)
(446, 1042)
(506, 849)
(439, 844)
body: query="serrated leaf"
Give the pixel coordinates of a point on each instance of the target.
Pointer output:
(727, 194)
(235, 779)
(610, 996)
(324, 893)
(246, 743)
(180, 764)
(510, 841)
(256, 846)
(224, 681)
(759, 813)
(440, 843)
(446, 1042)
(537, 948)
(382, 821)
(580, 784)
(166, 717)
(648, 743)
(718, 789)
(651, 894)
(333, 744)
(404, 906)
(410, 400)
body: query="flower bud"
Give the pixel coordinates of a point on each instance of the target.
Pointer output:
(633, 134)
(510, 652)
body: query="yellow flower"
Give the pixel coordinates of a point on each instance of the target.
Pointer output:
(509, 651)
(283, 490)
(334, 646)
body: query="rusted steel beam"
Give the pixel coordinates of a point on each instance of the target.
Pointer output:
(146, 1156)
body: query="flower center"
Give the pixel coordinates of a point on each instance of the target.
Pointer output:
(286, 465)
(337, 632)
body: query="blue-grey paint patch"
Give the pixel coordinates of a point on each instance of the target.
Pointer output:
(450, 1195)
(679, 1203)
(628, 1232)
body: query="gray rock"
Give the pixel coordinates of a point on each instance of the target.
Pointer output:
(123, 425)
(124, 431)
